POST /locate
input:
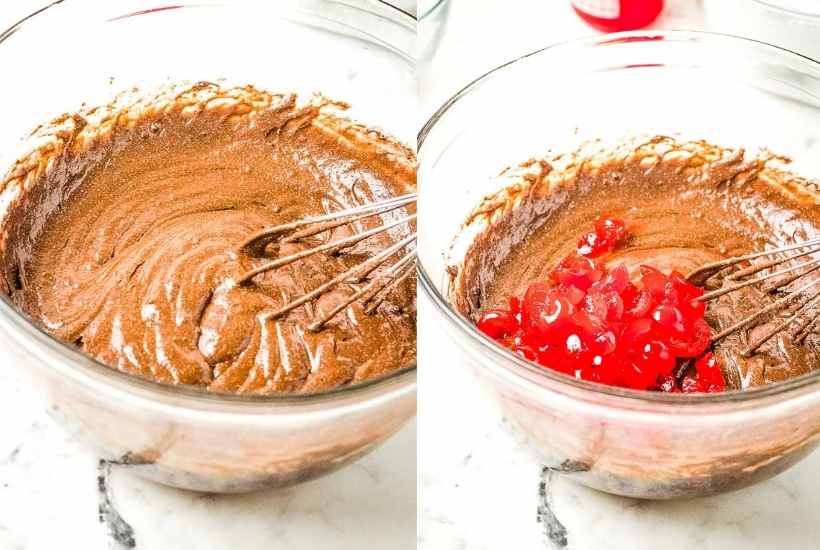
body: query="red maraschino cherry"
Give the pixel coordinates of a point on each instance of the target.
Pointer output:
(597, 324)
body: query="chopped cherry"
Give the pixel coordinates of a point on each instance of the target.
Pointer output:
(640, 377)
(635, 332)
(595, 303)
(553, 356)
(669, 319)
(655, 282)
(574, 295)
(687, 294)
(617, 280)
(557, 318)
(534, 302)
(605, 369)
(611, 230)
(593, 331)
(709, 376)
(614, 306)
(641, 305)
(609, 233)
(604, 342)
(695, 342)
(497, 323)
(656, 354)
(577, 271)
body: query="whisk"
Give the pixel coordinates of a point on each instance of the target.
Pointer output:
(800, 294)
(378, 287)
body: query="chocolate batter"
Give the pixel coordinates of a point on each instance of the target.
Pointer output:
(124, 238)
(686, 204)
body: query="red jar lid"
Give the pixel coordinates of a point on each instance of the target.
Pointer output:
(618, 15)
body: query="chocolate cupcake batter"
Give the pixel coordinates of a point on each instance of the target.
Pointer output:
(123, 240)
(686, 204)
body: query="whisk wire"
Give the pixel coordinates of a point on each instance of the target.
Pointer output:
(801, 301)
(757, 280)
(333, 219)
(370, 295)
(803, 304)
(369, 291)
(707, 270)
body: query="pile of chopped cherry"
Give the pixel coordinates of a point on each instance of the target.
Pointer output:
(598, 324)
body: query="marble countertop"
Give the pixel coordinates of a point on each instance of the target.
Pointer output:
(56, 494)
(480, 486)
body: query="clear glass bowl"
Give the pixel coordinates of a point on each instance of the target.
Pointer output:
(731, 91)
(359, 51)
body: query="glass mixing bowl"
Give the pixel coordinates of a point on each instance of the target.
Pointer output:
(731, 91)
(359, 51)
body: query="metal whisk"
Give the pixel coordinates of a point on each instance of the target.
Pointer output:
(800, 293)
(376, 290)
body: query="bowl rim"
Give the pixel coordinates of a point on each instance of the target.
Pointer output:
(519, 367)
(781, 9)
(431, 9)
(88, 370)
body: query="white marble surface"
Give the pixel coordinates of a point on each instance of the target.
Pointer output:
(480, 486)
(56, 494)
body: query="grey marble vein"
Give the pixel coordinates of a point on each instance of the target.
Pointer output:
(555, 534)
(121, 533)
